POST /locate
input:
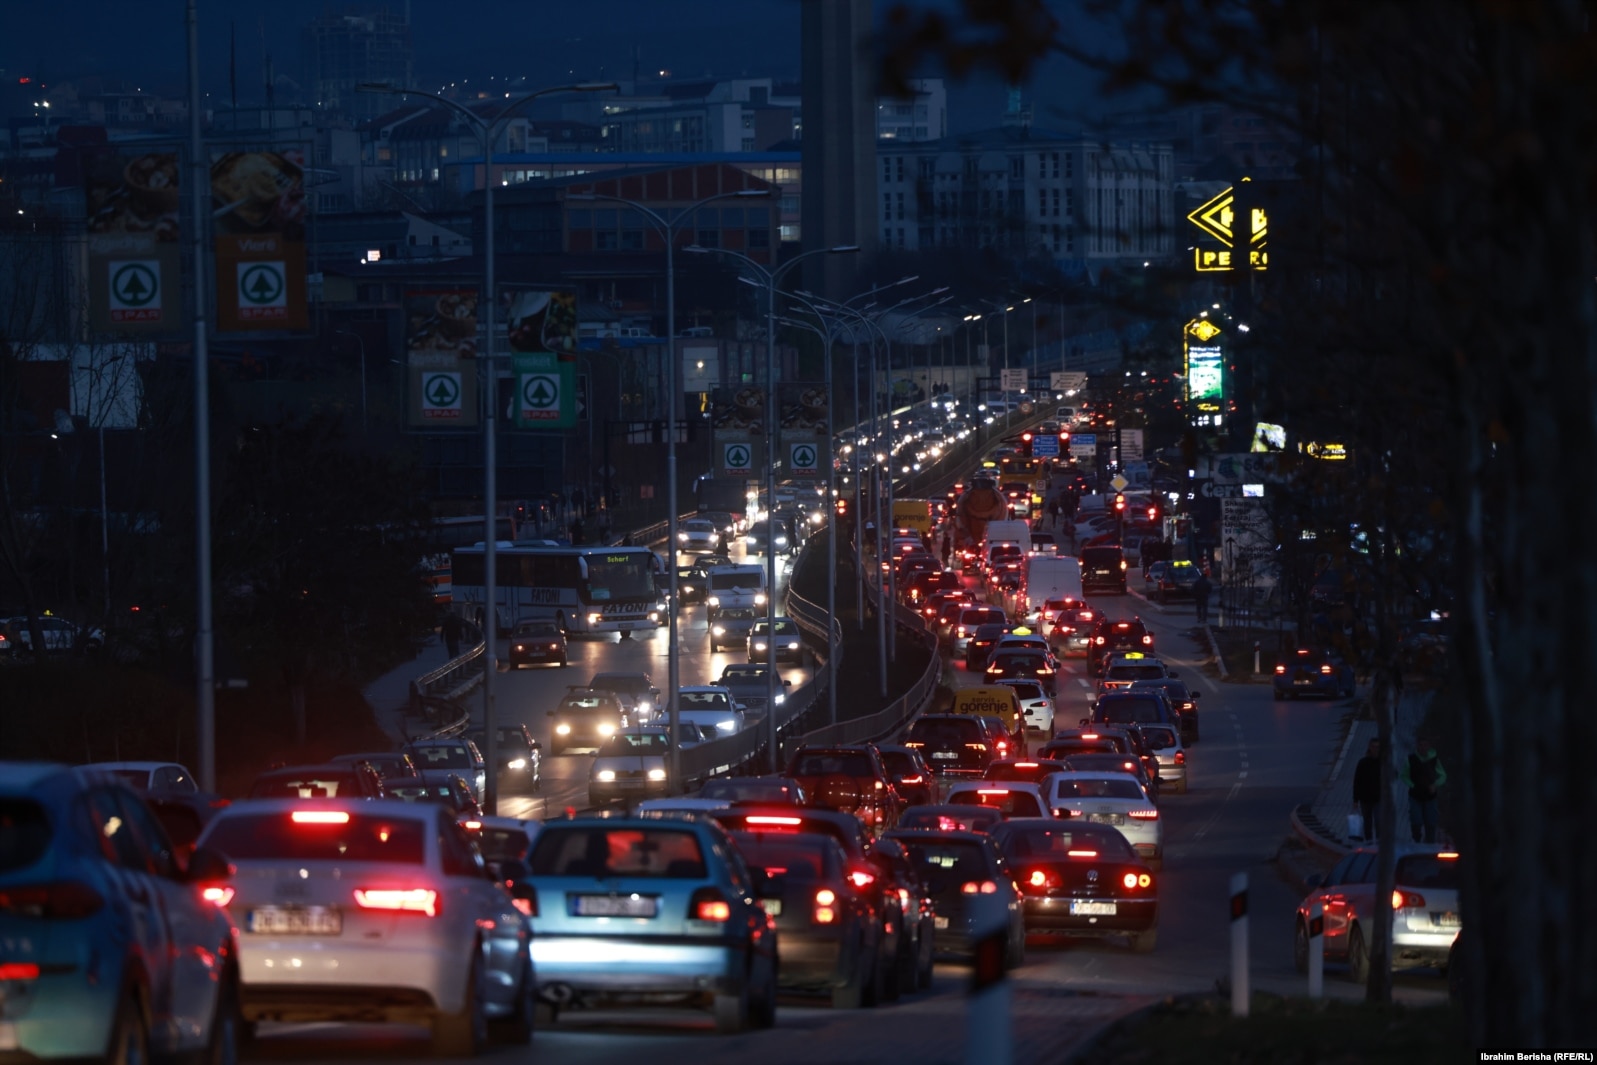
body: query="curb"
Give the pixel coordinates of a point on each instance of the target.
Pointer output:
(1214, 649)
(1308, 827)
(1097, 1040)
(1295, 862)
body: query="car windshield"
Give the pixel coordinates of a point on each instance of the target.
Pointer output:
(1021, 662)
(587, 703)
(538, 629)
(442, 756)
(634, 743)
(948, 819)
(1100, 556)
(703, 701)
(947, 865)
(334, 837)
(899, 763)
(602, 851)
(981, 616)
(1036, 842)
(722, 582)
(1097, 788)
(437, 791)
(832, 763)
(784, 627)
(621, 682)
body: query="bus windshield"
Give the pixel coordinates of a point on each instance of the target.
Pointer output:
(619, 577)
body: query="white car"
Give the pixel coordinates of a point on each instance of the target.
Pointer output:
(363, 910)
(1035, 706)
(1112, 799)
(1014, 798)
(153, 778)
(696, 534)
(630, 764)
(711, 706)
(1164, 743)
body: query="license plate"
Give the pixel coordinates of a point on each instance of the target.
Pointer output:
(939, 923)
(296, 921)
(1445, 920)
(1092, 909)
(944, 755)
(1107, 819)
(772, 906)
(615, 906)
(1304, 683)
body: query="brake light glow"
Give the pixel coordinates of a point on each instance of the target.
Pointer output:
(1325, 669)
(1083, 854)
(983, 887)
(1098, 640)
(1136, 880)
(1143, 815)
(319, 817)
(713, 910)
(1025, 765)
(471, 826)
(861, 879)
(1089, 735)
(762, 819)
(1038, 878)
(1448, 856)
(217, 894)
(1280, 669)
(1405, 899)
(825, 906)
(911, 780)
(977, 746)
(18, 970)
(402, 900)
(1181, 758)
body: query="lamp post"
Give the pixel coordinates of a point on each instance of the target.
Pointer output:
(359, 340)
(487, 131)
(771, 276)
(668, 230)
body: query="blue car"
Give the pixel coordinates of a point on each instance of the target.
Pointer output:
(658, 906)
(1311, 671)
(112, 950)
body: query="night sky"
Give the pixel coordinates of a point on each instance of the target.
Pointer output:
(542, 40)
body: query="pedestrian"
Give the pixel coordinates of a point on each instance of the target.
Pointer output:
(1200, 596)
(451, 629)
(948, 548)
(576, 530)
(1424, 776)
(1367, 788)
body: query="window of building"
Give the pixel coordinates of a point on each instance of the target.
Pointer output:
(1017, 167)
(606, 240)
(887, 170)
(632, 240)
(1068, 166)
(759, 238)
(1055, 211)
(900, 206)
(709, 239)
(887, 206)
(899, 167)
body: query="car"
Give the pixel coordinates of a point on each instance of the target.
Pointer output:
(1111, 637)
(828, 931)
(659, 905)
(957, 865)
(970, 619)
(1028, 769)
(1032, 665)
(60, 636)
(1103, 567)
(1148, 706)
(357, 781)
(453, 753)
(693, 583)
(1122, 670)
(912, 776)
(537, 641)
(1313, 671)
(776, 640)
(630, 764)
(112, 949)
(766, 790)
(758, 537)
(635, 685)
(1172, 580)
(712, 708)
(1072, 628)
(390, 765)
(584, 719)
(953, 744)
(851, 779)
(442, 787)
(749, 683)
(501, 840)
(1012, 798)
(1079, 879)
(948, 818)
(1036, 703)
(519, 756)
(1123, 742)
(1164, 743)
(725, 522)
(1112, 799)
(1425, 909)
(152, 778)
(979, 646)
(732, 626)
(1183, 700)
(371, 911)
(698, 534)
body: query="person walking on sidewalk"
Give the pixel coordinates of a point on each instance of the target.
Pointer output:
(1367, 788)
(1424, 775)
(1200, 596)
(451, 630)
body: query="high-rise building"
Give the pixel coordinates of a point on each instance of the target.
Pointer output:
(839, 139)
(348, 48)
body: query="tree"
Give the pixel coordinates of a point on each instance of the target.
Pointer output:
(1450, 158)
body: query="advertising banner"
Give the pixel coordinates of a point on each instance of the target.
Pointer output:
(739, 430)
(542, 329)
(1205, 371)
(135, 259)
(802, 413)
(441, 358)
(258, 209)
(1130, 445)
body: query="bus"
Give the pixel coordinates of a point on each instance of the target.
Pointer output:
(443, 535)
(582, 589)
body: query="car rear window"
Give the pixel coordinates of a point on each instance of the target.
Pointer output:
(1100, 556)
(1136, 672)
(945, 732)
(941, 819)
(335, 837)
(1098, 788)
(454, 756)
(408, 792)
(981, 616)
(603, 851)
(1134, 711)
(1427, 871)
(24, 833)
(833, 763)
(1158, 739)
(800, 857)
(1028, 842)
(1009, 803)
(898, 762)
(1027, 690)
(948, 865)
(502, 844)
(308, 786)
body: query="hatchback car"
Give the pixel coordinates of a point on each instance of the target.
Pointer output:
(357, 780)
(776, 641)
(1313, 671)
(537, 641)
(731, 627)
(698, 535)
(1164, 743)
(630, 765)
(1036, 703)
(1030, 665)
(1081, 880)
(1425, 909)
(912, 776)
(1183, 700)
(585, 718)
(112, 952)
(457, 755)
(656, 906)
(382, 911)
(1071, 630)
(956, 866)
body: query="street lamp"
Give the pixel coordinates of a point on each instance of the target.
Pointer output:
(487, 131)
(772, 277)
(361, 341)
(668, 228)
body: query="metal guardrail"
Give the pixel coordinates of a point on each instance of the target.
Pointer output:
(433, 694)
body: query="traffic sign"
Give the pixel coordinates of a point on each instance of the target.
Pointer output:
(804, 460)
(262, 290)
(737, 458)
(1119, 483)
(1045, 444)
(440, 395)
(135, 290)
(1067, 380)
(582, 395)
(1013, 380)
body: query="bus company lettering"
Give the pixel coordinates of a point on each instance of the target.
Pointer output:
(620, 609)
(544, 596)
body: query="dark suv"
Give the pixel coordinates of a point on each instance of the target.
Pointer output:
(1103, 569)
(955, 744)
(1116, 637)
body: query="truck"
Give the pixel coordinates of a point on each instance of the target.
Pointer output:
(721, 494)
(978, 505)
(913, 514)
(1010, 531)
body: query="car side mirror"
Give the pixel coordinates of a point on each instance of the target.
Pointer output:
(206, 864)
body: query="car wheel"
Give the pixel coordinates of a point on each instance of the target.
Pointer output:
(765, 1009)
(130, 1033)
(226, 1026)
(1358, 957)
(464, 1033)
(851, 996)
(732, 1012)
(1144, 942)
(516, 1028)
(1300, 948)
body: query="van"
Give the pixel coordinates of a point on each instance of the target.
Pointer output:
(990, 701)
(737, 585)
(1010, 532)
(1052, 577)
(913, 514)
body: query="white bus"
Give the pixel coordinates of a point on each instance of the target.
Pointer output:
(583, 589)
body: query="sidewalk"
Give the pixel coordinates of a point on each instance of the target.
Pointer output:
(389, 694)
(1322, 824)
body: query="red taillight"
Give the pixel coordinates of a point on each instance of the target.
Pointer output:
(1144, 815)
(471, 826)
(1136, 880)
(1037, 879)
(825, 906)
(400, 900)
(978, 887)
(1082, 854)
(63, 901)
(977, 746)
(1405, 899)
(1098, 640)
(762, 819)
(217, 894)
(861, 879)
(1280, 669)
(708, 904)
(1148, 640)
(1181, 758)
(319, 817)
(911, 780)
(18, 970)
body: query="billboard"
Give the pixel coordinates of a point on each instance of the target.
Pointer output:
(739, 427)
(542, 329)
(802, 411)
(132, 203)
(441, 358)
(1205, 371)
(258, 210)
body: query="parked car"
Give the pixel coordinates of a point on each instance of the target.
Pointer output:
(1425, 909)
(60, 636)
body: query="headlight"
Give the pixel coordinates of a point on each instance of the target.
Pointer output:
(780, 699)
(516, 763)
(726, 726)
(562, 729)
(750, 541)
(714, 600)
(607, 730)
(605, 776)
(593, 619)
(759, 598)
(781, 540)
(719, 630)
(683, 537)
(519, 647)
(656, 774)
(793, 645)
(654, 615)
(759, 645)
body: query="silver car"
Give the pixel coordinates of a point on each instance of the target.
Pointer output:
(630, 765)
